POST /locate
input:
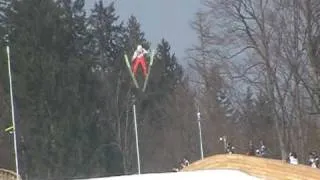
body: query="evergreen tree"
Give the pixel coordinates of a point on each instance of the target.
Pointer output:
(47, 41)
(34, 66)
(134, 35)
(75, 79)
(73, 91)
(110, 91)
(167, 73)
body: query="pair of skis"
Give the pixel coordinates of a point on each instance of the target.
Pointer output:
(151, 56)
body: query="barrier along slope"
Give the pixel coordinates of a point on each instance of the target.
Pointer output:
(7, 175)
(256, 166)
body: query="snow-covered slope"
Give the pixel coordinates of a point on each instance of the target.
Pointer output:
(235, 166)
(221, 174)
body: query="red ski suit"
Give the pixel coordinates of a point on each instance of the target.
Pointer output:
(139, 59)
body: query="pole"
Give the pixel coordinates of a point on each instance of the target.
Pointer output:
(200, 133)
(225, 143)
(224, 140)
(12, 113)
(136, 133)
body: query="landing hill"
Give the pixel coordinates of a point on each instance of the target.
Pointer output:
(256, 166)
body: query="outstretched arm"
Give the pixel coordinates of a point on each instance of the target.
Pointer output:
(145, 51)
(135, 54)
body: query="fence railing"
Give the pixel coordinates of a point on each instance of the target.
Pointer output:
(7, 175)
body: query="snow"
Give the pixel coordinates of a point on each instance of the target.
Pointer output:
(191, 175)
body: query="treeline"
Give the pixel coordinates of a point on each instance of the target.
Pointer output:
(253, 75)
(264, 57)
(73, 93)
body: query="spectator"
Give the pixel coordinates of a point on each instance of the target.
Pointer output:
(230, 148)
(313, 160)
(293, 158)
(186, 162)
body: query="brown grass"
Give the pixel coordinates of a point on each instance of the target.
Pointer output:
(256, 166)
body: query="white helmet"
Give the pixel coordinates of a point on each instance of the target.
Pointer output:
(139, 47)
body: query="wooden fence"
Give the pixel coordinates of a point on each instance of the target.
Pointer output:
(259, 167)
(7, 175)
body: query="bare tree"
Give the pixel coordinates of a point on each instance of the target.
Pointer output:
(262, 44)
(310, 16)
(211, 81)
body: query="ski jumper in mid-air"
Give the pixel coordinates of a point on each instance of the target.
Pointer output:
(139, 58)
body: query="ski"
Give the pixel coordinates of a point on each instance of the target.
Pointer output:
(9, 129)
(130, 71)
(149, 70)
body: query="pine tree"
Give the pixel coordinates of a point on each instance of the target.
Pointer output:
(166, 76)
(134, 35)
(34, 64)
(48, 45)
(110, 91)
(166, 73)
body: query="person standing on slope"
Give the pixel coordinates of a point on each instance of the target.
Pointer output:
(293, 158)
(262, 151)
(313, 160)
(139, 58)
(230, 148)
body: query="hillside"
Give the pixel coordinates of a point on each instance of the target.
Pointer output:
(256, 166)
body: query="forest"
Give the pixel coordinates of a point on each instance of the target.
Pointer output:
(254, 75)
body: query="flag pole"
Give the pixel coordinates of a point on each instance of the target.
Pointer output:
(12, 113)
(136, 133)
(200, 133)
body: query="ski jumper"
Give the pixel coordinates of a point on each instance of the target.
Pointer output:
(138, 58)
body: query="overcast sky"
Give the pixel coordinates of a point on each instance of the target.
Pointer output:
(169, 19)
